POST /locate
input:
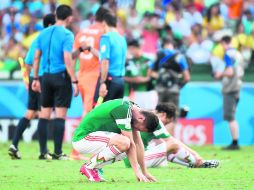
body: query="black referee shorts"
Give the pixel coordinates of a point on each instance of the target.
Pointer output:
(115, 86)
(34, 102)
(56, 90)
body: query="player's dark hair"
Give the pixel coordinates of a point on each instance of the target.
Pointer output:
(168, 108)
(134, 43)
(99, 15)
(63, 11)
(226, 39)
(110, 20)
(151, 121)
(49, 19)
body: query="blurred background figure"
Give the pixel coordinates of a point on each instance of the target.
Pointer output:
(180, 26)
(86, 45)
(231, 84)
(138, 77)
(235, 8)
(171, 70)
(192, 15)
(199, 47)
(12, 50)
(213, 21)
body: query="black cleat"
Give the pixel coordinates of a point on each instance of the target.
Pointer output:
(210, 164)
(60, 157)
(46, 156)
(14, 153)
(232, 147)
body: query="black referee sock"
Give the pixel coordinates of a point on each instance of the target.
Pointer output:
(43, 134)
(59, 124)
(22, 125)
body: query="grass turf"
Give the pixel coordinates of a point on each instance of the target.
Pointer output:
(236, 171)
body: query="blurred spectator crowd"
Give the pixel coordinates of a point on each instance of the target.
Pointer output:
(195, 26)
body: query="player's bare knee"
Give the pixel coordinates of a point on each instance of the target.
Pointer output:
(172, 145)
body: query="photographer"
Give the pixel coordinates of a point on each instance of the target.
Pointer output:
(171, 71)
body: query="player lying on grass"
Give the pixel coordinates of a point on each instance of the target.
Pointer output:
(161, 147)
(110, 132)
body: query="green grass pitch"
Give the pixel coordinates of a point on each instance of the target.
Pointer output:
(236, 171)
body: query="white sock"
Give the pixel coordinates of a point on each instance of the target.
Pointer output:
(174, 159)
(120, 157)
(182, 157)
(105, 157)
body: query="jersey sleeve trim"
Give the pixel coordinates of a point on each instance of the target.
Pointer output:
(161, 132)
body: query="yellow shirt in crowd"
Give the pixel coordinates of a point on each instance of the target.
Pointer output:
(216, 23)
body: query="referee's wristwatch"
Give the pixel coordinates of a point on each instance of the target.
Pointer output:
(88, 48)
(75, 82)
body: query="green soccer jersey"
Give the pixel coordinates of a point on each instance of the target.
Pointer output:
(160, 132)
(112, 116)
(138, 67)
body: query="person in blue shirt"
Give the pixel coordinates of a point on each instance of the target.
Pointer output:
(171, 70)
(54, 47)
(113, 49)
(231, 78)
(33, 97)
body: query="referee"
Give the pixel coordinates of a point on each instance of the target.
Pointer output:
(33, 97)
(113, 48)
(55, 48)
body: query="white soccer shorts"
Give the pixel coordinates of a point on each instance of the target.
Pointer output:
(93, 143)
(156, 156)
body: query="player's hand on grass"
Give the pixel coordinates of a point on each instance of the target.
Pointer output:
(150, 177)
(36, 86)
(141, 178)
(103, 90)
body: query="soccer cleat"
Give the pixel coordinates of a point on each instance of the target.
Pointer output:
(209, 164)
(46, 156)
(60, 157)
(100, 172)
(91, 174)
(232, 147)
(14, 153)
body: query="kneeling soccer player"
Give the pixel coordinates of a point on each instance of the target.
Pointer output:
(110, 132)
(160, 147)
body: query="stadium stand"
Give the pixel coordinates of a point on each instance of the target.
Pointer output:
(190, 23)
